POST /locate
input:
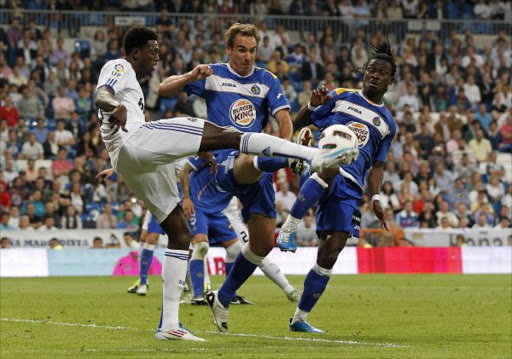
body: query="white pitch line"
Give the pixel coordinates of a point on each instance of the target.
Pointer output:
(317, 340)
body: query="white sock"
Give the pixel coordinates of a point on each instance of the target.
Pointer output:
(250, 256)
(232, 251)
(299, 316)
(149, 247)
(174, 271)
(274, 273)
(291, 224)
(266, 145)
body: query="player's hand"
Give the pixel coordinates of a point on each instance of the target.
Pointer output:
(103, 175)
(319, 96)
(188, 207)
(200, 72)
(377, 209)
(118, 119)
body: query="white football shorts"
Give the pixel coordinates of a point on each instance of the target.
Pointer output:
(147, 159)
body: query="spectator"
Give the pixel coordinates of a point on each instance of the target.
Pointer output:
(97, 243)
(25, 223)
(62, 104)
(129, 241)
(503, 223)
(71, 220)
(444, 212)
(495, 189)
(61, 166)
(483, 116)
(50, 146)
(407, 218)
(49, 224)
(32, 149)
(409, 99)
(128, 221)
(284, 196)
(40, 130)
(480, 146)
(35, 220)
(388, 198)
(59, 53)
(30, 171)
(55, 245)
(9, 112)
(369, 219)
(444, 178)
(481, 222)
(51, 212)
(5, 243)
(472, 91)
(311, 69)
(29, 106)
(4, 222)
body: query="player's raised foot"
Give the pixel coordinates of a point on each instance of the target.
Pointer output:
(304, 327)
(142, 289)
(305, 138)
(133, 288)
(286, 240)
(198, 301)
(238, 299)
(220, 313)
(294, 295)
(177, 334)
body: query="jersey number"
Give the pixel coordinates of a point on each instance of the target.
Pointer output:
(141, 104)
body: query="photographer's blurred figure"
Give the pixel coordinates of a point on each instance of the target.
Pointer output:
(55, 245)
(5, 243)
(97, 243)
(130, 241)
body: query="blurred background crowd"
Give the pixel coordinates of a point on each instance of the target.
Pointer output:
(450, 164)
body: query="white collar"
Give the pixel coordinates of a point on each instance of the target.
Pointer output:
(237, 74)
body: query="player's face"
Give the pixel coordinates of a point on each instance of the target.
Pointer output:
(377, 78)
(243, 54)
(148, 58)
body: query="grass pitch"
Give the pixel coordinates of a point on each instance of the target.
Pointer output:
(366, 316)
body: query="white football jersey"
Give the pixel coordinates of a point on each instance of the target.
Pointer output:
(119, 76)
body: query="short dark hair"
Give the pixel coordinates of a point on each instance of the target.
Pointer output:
(137, 38)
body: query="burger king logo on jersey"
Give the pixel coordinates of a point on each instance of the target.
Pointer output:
(242, 112)
(361, 131)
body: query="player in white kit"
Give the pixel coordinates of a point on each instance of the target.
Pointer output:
(144, 154)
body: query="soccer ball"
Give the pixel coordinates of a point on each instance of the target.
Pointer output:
(340, 138)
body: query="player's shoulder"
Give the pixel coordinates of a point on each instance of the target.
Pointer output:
(264, 75)
(342, 92)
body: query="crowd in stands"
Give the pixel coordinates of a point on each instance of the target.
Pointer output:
(452, 102)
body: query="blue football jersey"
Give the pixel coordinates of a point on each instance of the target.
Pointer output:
(243, 102)
(373, 125)
(204, 192)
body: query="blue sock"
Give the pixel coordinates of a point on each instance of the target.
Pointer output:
(146, 257)
(309, 194)
(197, 275)
(314, 286)
(239, 273)
(229, 266)
(271, 164)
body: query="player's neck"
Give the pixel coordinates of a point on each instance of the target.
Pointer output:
(134, 65)
(375, 98)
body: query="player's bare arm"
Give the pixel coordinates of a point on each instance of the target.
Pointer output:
(318, 98)
(188, 205)
(374, 183)
(173, 85)
(105, 102)
(285, 124)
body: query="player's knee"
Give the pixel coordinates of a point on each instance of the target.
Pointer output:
(327, 259)
(200, 250)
